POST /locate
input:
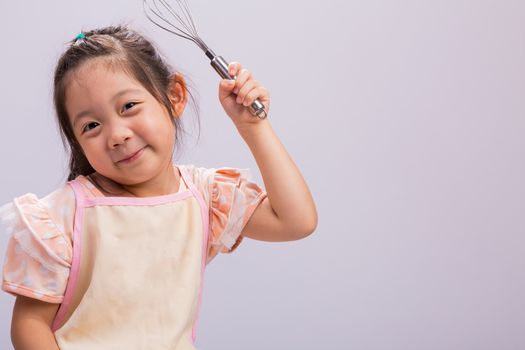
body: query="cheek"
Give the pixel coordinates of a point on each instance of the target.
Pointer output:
(159, 132)
(94, 151)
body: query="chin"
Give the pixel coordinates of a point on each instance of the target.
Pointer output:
(138, 175)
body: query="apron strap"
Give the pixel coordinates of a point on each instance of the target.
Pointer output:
(79, 192)
(205, 214)
(188, 182)
(71, 286)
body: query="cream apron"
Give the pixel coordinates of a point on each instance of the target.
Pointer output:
(137, 271)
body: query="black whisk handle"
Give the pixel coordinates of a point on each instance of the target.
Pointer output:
(221, 66)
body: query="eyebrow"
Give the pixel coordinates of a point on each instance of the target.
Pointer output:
(117, 95)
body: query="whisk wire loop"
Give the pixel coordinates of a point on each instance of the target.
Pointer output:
(162, 14)
(159, 12)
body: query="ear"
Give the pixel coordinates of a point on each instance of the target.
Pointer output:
(178, 94)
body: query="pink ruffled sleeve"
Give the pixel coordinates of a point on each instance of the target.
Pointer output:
(39, 249)
(233, 199)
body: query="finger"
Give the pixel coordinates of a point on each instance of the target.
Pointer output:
(245, 89)
(243, 76)
(257, 93)
(234, 68)
(227, 84)
(225, 88)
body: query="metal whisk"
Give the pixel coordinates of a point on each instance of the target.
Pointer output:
(166, 16)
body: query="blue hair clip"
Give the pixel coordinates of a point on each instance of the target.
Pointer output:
(79, 37)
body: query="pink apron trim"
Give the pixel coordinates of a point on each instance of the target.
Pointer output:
(205, 220)
(150, 201)
(75, 265)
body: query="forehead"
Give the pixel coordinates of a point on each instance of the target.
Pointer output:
(98, 77)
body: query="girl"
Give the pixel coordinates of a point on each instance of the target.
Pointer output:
(115, 258)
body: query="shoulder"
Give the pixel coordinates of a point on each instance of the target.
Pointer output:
(62, 196)
(61, 206)
(200, 177)
(208, 175)
(197, 174)
(210, 180)
(49, 218)
(232, 197)
(39, 250)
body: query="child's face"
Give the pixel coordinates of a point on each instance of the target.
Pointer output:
(121, 118)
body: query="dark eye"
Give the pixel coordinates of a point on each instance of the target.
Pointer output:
(87, 127)
(129, 104)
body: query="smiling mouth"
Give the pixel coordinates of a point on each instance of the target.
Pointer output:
(133, 156)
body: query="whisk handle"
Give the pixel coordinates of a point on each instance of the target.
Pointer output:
(221, 66)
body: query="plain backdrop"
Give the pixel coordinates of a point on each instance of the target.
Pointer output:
(407, 120)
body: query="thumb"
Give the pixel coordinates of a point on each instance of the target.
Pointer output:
(225, 88)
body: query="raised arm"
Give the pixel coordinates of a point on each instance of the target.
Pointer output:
(288, 213)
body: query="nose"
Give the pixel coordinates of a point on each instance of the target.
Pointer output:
(119, 133)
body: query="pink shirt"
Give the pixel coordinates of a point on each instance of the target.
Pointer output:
(39, 255)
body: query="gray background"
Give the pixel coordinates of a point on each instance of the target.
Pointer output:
(406, 119)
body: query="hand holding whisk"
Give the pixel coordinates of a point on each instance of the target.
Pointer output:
(178, 20)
